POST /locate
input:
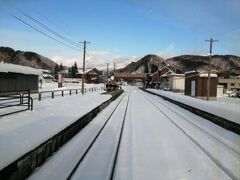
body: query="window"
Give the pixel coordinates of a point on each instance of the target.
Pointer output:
(232, 84)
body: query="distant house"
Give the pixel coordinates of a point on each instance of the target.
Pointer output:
(196, 85)
(230, 83)
(162, 71)
(46, 76)
(166, 77)
(63, 73)
(18, 78)
(90, 75)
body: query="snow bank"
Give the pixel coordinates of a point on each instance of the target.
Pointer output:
(224, 110)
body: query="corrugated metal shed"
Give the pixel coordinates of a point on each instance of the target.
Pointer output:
(18, 78)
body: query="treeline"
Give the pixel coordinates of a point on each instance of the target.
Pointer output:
(72, 71)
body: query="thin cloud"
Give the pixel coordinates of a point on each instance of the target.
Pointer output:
(96, 59)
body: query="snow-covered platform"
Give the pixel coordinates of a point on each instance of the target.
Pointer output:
(22, 133)
(224, 114)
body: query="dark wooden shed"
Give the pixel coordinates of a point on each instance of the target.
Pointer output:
(18, 78)
(196, 85)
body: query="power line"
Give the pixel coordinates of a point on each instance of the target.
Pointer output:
(19, 19)
(50, 30)
(52, 22)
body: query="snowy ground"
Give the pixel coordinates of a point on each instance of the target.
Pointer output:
(227, 100)
(159, 141)
(22, 132)
(230, 111)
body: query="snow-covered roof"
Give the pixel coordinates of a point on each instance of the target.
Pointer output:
(80, 71)
(206, 75)
(174, 74)
(47, 75)
(13, 68)
(193, 71)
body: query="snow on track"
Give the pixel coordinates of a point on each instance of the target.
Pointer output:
(226, 157)
(159, 141)
(65, 160)
(154, 148)
(99, 162)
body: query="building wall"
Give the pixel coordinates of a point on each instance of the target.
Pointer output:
(229, 84)
(18, 82)
(178, 83)
(220, 90)
(202, 86)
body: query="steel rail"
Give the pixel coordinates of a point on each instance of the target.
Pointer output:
(93, 141)
(216, 161)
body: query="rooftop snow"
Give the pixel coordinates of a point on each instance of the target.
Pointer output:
(13, 68)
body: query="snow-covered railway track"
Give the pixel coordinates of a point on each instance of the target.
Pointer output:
(80, 173)
(224, 154)
(140, 136)
(93, 153)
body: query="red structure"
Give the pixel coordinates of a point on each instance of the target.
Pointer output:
(130, 76)
(91, 75)
(162, 71)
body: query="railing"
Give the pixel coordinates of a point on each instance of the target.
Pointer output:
(19, 99)
(13, 102)
(62, 93)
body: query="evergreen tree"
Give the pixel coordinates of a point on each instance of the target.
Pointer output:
(74, 70)
(146, 68)
(70, 72)
(61, 67)
(154, 68)
(56, 70)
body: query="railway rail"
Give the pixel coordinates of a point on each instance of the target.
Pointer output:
(115, 149)
(234, 154)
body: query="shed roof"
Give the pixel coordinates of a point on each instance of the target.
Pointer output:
(13, 68)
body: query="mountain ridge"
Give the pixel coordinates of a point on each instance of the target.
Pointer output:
(185, 63)
(26, 58)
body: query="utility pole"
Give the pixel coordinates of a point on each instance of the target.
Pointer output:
(114, 66)
(158, 78)
(84, 56)
(209, 68)
(107, 71)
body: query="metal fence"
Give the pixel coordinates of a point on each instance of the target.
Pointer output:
(12, 102)
(64, 92)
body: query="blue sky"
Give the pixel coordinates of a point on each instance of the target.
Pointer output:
(125, 30)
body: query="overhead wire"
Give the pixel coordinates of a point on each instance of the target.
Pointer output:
(52, 22)
(49, 36)
(51, 31)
